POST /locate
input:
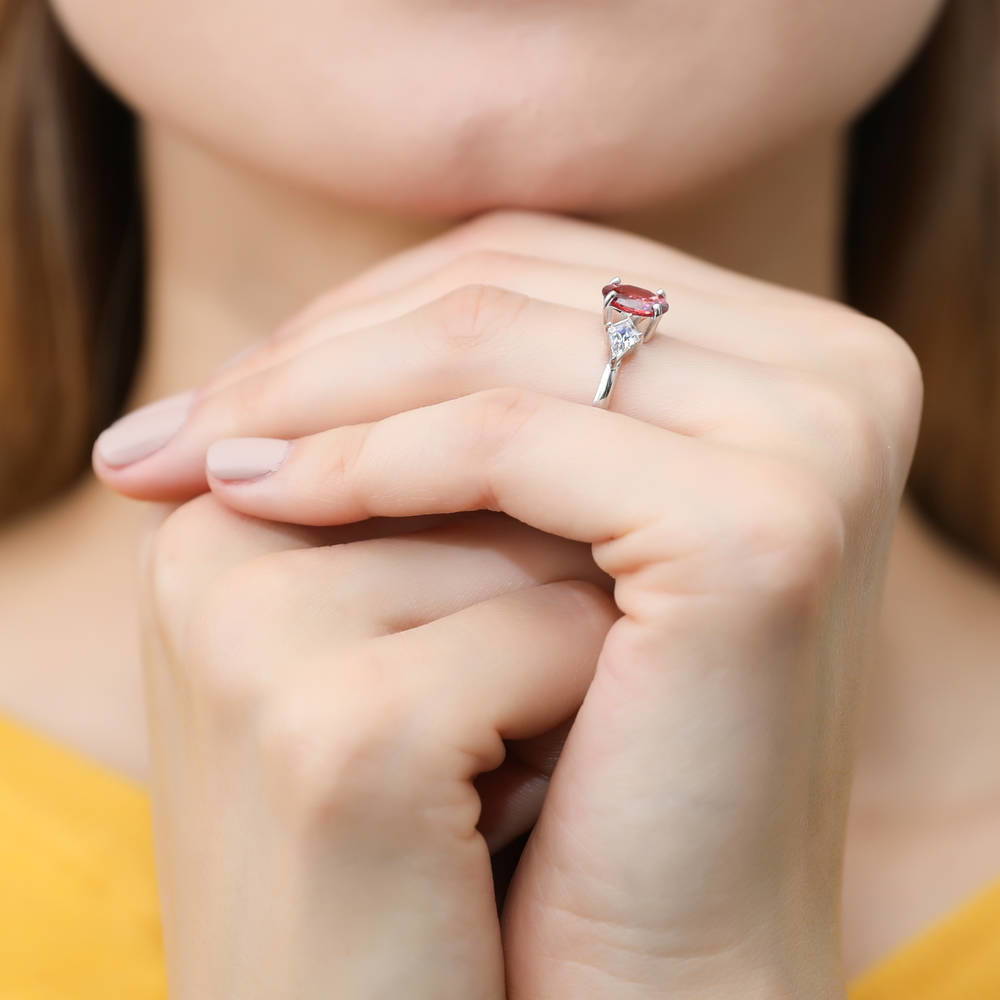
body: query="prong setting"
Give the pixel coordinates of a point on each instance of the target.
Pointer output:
(630, 317)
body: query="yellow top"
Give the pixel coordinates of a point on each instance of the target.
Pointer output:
(78, 913)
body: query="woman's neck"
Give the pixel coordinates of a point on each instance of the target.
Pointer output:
(233, 253)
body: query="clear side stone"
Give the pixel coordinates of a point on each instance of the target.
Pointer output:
(623, 336)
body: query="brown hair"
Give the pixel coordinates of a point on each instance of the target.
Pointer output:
(70, 257)
(921, 254)
(920, 249)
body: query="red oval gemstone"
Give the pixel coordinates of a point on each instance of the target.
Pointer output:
(635, 300)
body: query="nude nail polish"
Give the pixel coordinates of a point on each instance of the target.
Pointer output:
(144, 431)
(237, 459)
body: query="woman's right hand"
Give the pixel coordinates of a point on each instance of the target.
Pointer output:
(320, 704)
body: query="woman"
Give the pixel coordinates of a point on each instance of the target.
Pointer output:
(409, 602)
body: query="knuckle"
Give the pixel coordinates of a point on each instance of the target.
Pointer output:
(229, 656)
(469, 317)
(904, 384)
(343, 466)
(891, 349)
(253, 588)
(351, 589)
(318, 761)
(227, 687)
(175, 546)
(307, 753)
(244, 403)
(880, 349)
(346, 752)
(845, 419)
(262, 399)
(269, 350)
(501, 414)
(789, 541)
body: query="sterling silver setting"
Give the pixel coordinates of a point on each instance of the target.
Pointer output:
(626, 330)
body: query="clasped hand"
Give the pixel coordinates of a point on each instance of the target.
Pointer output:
(455, 569)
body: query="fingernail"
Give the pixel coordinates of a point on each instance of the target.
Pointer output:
(144, 431)
(245, 458)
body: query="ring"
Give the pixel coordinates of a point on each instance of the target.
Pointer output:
(630, 316)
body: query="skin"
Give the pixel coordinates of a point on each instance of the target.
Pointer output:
(261, 166)
(471, 106)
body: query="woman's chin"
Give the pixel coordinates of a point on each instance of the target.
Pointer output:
(424, 183)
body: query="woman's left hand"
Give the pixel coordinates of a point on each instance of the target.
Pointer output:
(742, 498)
